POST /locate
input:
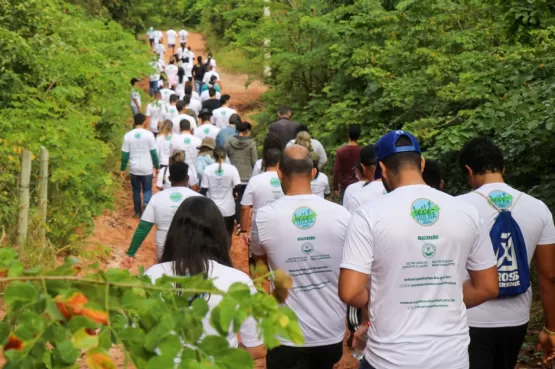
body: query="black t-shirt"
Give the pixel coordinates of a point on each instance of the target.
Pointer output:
(198, 71)
(211, 104)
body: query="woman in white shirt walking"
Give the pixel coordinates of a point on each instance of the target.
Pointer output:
(219, 183)
(197, 243)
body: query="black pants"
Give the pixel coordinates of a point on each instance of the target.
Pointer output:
(495, 348)
(320, 357)
(240, 191)
(229, 225)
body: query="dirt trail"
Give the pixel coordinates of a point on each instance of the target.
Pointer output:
(114, 229)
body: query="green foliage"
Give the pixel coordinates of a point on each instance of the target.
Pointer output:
(53, 317)
(65, 86)
(445, 70)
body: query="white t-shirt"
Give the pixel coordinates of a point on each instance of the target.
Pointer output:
(350, 191)
(212, 63)
(416, 243)
(160, 211)
(170, 112)
(536, 224)
(220, 116)
(183, 35)
(138, 143)
(171, 72)
(177, 120)
(205, 95)
(188, 143)
(223, 277)
(206, 130)
(158, 35)
(195, 105)
(317, 147)
(367, 193)
(320, 185)
(257, 168)
(303, 235)
(209, 74)
(163, 147)
(172, 36)
(262, 190)
(155, 110)
(160, 49)
(166, 94)
(220, 184)
(156, 76)
(137, 96)
(163, 179)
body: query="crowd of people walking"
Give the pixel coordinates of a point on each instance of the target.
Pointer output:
(424, 279)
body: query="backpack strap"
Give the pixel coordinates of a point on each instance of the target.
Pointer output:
(164, 176)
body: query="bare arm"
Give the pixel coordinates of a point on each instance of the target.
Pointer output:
(257, 352)
(545, 267)
(483, 285)
(245, 212)
(353, 288)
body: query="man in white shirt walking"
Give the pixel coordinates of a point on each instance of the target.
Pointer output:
(498, 327)
(186, 142)
(303, 235)
(261, 191)
(172, 39)
(371, 188)
(406, 255)
(158, 36)
(139, 150)
(220, 116)
(181, 105)
(183, 35)
(135, 97)
(160, 49)
(206, 128)
(155, 113)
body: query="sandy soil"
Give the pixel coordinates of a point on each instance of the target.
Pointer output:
(114, 229)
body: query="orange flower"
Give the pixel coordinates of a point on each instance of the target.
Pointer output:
(14, 343)
(99, 360)
(101, 317)
(75, 305)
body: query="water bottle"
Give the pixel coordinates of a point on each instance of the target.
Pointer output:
(358, 350)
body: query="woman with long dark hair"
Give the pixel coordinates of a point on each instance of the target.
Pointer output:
(272, 141)
(198, 243)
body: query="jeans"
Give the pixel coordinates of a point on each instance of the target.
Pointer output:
(365, 365)
(136, 183)
(153, 87)
(198, 86)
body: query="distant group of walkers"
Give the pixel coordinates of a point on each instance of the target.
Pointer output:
(423, 279)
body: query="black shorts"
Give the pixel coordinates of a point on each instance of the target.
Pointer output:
(319, 357)
(171, 45)
(495, 348)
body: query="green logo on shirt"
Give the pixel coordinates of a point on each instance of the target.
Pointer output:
(220, 171)
(501, 199)
(206, 130)
(424, 212)
(274, 182)
(176, 197)
(168, 138)
(307, 248)
(187, 141)
(304, 218)
(137, 135)
(428, 250)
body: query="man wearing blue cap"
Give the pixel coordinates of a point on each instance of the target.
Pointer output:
(406, 256)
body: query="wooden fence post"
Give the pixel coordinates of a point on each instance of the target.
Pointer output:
(25, 179)
(43, 192)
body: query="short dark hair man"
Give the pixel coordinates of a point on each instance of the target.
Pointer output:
(346, 158)
(498, 327)
(229, 131)
(432, 174)
(213, 102)
(303, 234)
(139, 150)
(407, 255)
(284, 127)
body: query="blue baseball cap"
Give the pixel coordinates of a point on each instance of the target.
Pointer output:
(387, 146)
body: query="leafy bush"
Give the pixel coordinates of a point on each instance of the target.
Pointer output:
(54, 316)
(65, 86)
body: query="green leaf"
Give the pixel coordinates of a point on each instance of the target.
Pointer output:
(20, 293)
(66, 352)
(214, 345)
(159, 333)
(84, 341)
(235, 359)
(200, 307)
